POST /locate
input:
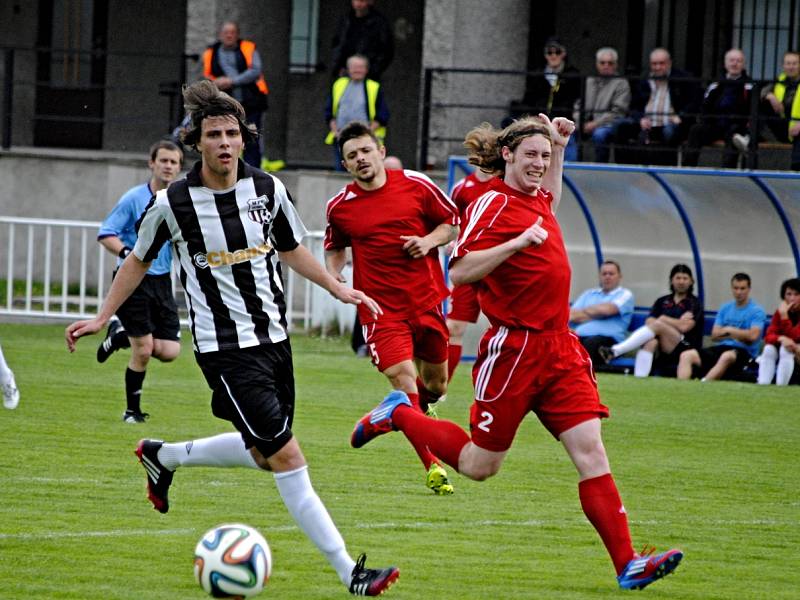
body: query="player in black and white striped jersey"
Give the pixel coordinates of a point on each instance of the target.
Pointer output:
(232, 227)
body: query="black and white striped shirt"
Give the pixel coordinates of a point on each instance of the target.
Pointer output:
(225, 245)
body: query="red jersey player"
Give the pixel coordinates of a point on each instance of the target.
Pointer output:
(464, 308)
(394, 220)
(528, 361)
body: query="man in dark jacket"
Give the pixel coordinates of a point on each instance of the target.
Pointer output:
(663, 104)
(363, 30)
(725, 111)
(553, 91)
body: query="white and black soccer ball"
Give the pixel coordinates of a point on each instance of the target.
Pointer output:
(232, 561)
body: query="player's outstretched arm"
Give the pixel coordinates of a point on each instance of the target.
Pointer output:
(128, 278)
(302, 261)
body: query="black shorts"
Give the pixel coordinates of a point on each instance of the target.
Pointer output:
(253, 388)
(671, 358)
(709, 357)
(151, 309)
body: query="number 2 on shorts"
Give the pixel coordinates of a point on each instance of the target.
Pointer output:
(487, 420)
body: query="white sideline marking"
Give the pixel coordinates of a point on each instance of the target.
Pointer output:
(389, 525)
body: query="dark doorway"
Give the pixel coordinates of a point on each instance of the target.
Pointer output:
(71, 73)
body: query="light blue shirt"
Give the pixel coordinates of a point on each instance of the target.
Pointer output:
(615, 326)
(744, 317)
(121, 222)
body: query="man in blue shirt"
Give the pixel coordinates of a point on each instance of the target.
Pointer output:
(601, 316)
(736, 333)
(149, 318)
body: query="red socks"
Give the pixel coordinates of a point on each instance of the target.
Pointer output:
(443, 438)
(603, 507)
(453, 356)
(424, 454)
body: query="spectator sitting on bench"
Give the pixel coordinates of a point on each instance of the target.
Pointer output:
(782, 340)
(661, 108)
(607, 99)
(725, 112)
(782, 103)
(675, 325)
(601, 316)
(736, 333)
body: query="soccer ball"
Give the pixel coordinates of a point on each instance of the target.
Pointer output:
(232, 561)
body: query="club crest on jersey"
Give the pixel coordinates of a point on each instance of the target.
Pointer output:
(257, 210)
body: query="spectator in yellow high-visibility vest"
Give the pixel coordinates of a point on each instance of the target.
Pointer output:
(783, 101)
(355, 98)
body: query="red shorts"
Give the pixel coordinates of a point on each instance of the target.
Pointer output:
(464, 304)
(392, 341)
(519, 371)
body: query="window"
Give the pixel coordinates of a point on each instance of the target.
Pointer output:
(303, 49)
(765, 29)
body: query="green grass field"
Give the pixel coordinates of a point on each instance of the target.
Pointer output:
(710, 468)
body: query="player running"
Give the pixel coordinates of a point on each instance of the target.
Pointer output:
(233, 229)
(511, 246)
(394, 221)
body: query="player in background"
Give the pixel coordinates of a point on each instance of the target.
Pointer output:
(233, 229)
(511, 246)
(7, 383)
(394, 221)
(464, 307)
(148, 320)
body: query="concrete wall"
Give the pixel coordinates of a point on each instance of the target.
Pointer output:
(18, 28)
(80, 185)
(141, 58)
(464, 34)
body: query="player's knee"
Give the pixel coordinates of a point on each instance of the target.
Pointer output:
(456, 329)
(480, 472)
(476, 465)
(436, 387)
(690, 357)
(166, 351)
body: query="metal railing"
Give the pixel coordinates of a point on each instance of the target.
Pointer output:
(55, 269)
(456, 99)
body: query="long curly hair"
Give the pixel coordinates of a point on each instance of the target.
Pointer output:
(203, 99)
(485, 144)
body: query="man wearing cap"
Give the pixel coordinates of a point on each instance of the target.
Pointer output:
(554, 90)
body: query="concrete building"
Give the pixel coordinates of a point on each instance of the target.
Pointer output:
(106, 74)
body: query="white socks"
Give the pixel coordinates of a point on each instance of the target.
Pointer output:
(635, 340)
(643, 363)
(311, 516)
(227, 450)
(766, 364)
(785, 367)
(5, 372)
(224, 450)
